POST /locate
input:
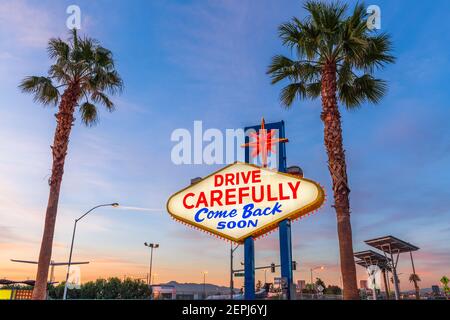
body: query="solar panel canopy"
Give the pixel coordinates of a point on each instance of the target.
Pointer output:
(390, 244)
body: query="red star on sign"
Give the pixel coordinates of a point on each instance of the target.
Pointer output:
(264, 143)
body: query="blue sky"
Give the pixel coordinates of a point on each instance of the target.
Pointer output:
(183, 61)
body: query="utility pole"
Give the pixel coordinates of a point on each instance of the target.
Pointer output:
(231, 270)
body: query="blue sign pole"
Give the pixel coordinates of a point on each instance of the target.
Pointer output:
(285, 225)
(249, 264)
(249, 251)
(286, 254)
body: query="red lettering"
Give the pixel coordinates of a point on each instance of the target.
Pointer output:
(261, 195)
(216, 196)
(229, 178)
(269, 194)
(246, 178)
(218, 180)
(202, 200)
(242, 194)
(280, 195)
(294, 189)
(184, 201)
(256, 176)
(230, 194)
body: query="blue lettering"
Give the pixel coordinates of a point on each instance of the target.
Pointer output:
(259, 212)
(252, 223)
(221, 225)
(231, 225)
(276, 208)
(248, 211)
(197, 215)
(242, 224)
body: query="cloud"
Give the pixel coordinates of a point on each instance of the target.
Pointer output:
(8, 235)
(25, 23)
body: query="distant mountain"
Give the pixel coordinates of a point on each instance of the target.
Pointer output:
(422, 291)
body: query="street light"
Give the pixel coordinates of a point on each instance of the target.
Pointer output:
(115, 205)
(151, 246)
(315, 268)
(204, 283)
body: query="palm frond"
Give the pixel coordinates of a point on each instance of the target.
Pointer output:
(326, 16)
(377, 53)
(361, 89)
(58, 50)
(42, 88)
(104, 58)
(86, 49)
(61, 73)
(100, 97)
(88, 114)
(414, 277)
(283, 67)
(314, 89)
(292, 91)
(302, 37)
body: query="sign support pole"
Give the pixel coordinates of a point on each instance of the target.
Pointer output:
(286, 255)
(285, 225)
(249, 262)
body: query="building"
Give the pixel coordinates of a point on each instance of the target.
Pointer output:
(301, 284)
(188, 291)
(435, 290)
(164, 292)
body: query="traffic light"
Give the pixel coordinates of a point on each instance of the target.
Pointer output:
(272, 267)
(294, 265)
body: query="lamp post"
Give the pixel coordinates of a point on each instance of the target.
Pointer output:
(315, 268)
(115, 204)
(151, 246)
(204, 283)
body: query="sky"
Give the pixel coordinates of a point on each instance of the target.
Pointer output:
(183, 61)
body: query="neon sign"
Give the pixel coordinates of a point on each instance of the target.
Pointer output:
(243, 200)
(264, 143)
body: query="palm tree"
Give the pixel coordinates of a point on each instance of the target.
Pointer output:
(335, 58)
(83, 74)
(414, 278)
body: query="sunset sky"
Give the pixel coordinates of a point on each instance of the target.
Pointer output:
(183, 61)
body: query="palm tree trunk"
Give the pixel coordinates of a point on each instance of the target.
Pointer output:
(337, 167)
(416, 287)
(64, 119)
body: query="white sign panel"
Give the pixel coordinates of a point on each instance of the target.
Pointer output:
(243, 200)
